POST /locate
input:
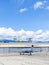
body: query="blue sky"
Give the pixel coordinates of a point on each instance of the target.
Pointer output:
(24, 14)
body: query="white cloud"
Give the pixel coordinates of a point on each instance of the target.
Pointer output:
(6, 32)
(39, 32)
(38, 5)
(41, 5)
(44, 1)
(23, 10)
(47, 7)
(9, 33)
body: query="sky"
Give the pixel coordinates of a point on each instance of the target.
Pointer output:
(23, 18)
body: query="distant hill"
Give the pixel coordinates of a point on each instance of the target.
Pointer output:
(42, 41)
(6, 41)
(10, 41)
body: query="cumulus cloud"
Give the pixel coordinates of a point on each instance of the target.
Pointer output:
(9, 33)
(47, 7)
(45, 1)
(39, 32)
(40, 4)
(23, 10)
(6, 33)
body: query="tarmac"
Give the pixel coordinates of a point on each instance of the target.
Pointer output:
(37, 58)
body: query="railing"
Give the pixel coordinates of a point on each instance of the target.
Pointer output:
(22, 46)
